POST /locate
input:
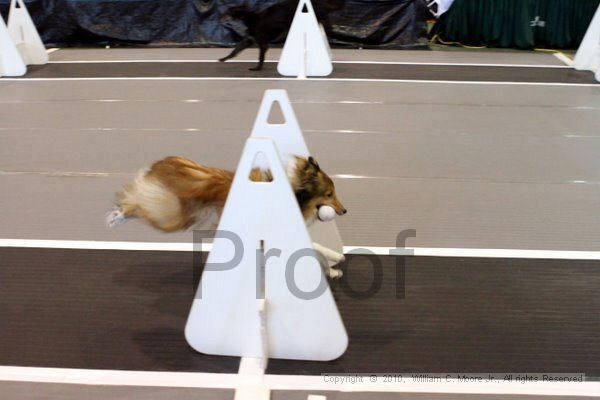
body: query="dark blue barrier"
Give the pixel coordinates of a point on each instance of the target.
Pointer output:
(366, 23)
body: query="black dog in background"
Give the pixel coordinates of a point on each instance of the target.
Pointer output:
(274, 22)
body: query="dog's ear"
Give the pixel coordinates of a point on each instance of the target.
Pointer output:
(313, 163)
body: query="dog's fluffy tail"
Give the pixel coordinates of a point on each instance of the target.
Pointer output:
(146, 197)
(172, 194)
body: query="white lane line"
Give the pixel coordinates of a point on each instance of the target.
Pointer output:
(365, 250)
(452, 64)
(564, 58)
(287, 382)
(449, 64)
(323, 80)
(52, 50)
(507, 253)
(103, 245)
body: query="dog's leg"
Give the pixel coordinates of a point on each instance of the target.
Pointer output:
(121, 214)
(261, 57)
(330, 255)
(244, 44)
(115, 218)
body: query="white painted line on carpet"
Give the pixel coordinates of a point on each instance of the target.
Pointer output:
(449, 64)
(103, 245)
(363, 250)
(564, 58)
(52, 50)
(288, 382)
(424, 81)
(507, 253)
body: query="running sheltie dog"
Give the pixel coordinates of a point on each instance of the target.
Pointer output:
(177, 193)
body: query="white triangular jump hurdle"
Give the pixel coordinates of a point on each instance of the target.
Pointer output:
(306, 51)
(324, 34)
(11, 63)
(289, 141)
(226, 318)
(588, 54)
(25, 36)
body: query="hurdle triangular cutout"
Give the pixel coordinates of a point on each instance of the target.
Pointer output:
(287, 136)
(25, 35)
(289, 141)
(588, 54)
(306, 50)
(11, 63)
(224, 319)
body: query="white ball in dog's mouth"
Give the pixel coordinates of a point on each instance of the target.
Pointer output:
(326, 213)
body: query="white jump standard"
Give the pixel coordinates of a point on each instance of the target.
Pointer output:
(11, 63)
(303, 322)
(588, 54)
(25, 36)
(20, 43)
(306, 51)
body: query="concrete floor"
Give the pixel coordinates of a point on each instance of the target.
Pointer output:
(466, 165)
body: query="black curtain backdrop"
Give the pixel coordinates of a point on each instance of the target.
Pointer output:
(366, 23)
(523, 24)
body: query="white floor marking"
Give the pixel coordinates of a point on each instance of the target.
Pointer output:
(285, 382)
(365, 250)
(564, 58)
(172, 78)
(449, 64)
(102, 245)
(52, 50)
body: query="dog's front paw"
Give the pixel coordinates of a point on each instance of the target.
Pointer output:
(223, 59)
(335, 273)
(337, 258)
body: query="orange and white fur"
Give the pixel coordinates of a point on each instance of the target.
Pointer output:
(176, 193)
